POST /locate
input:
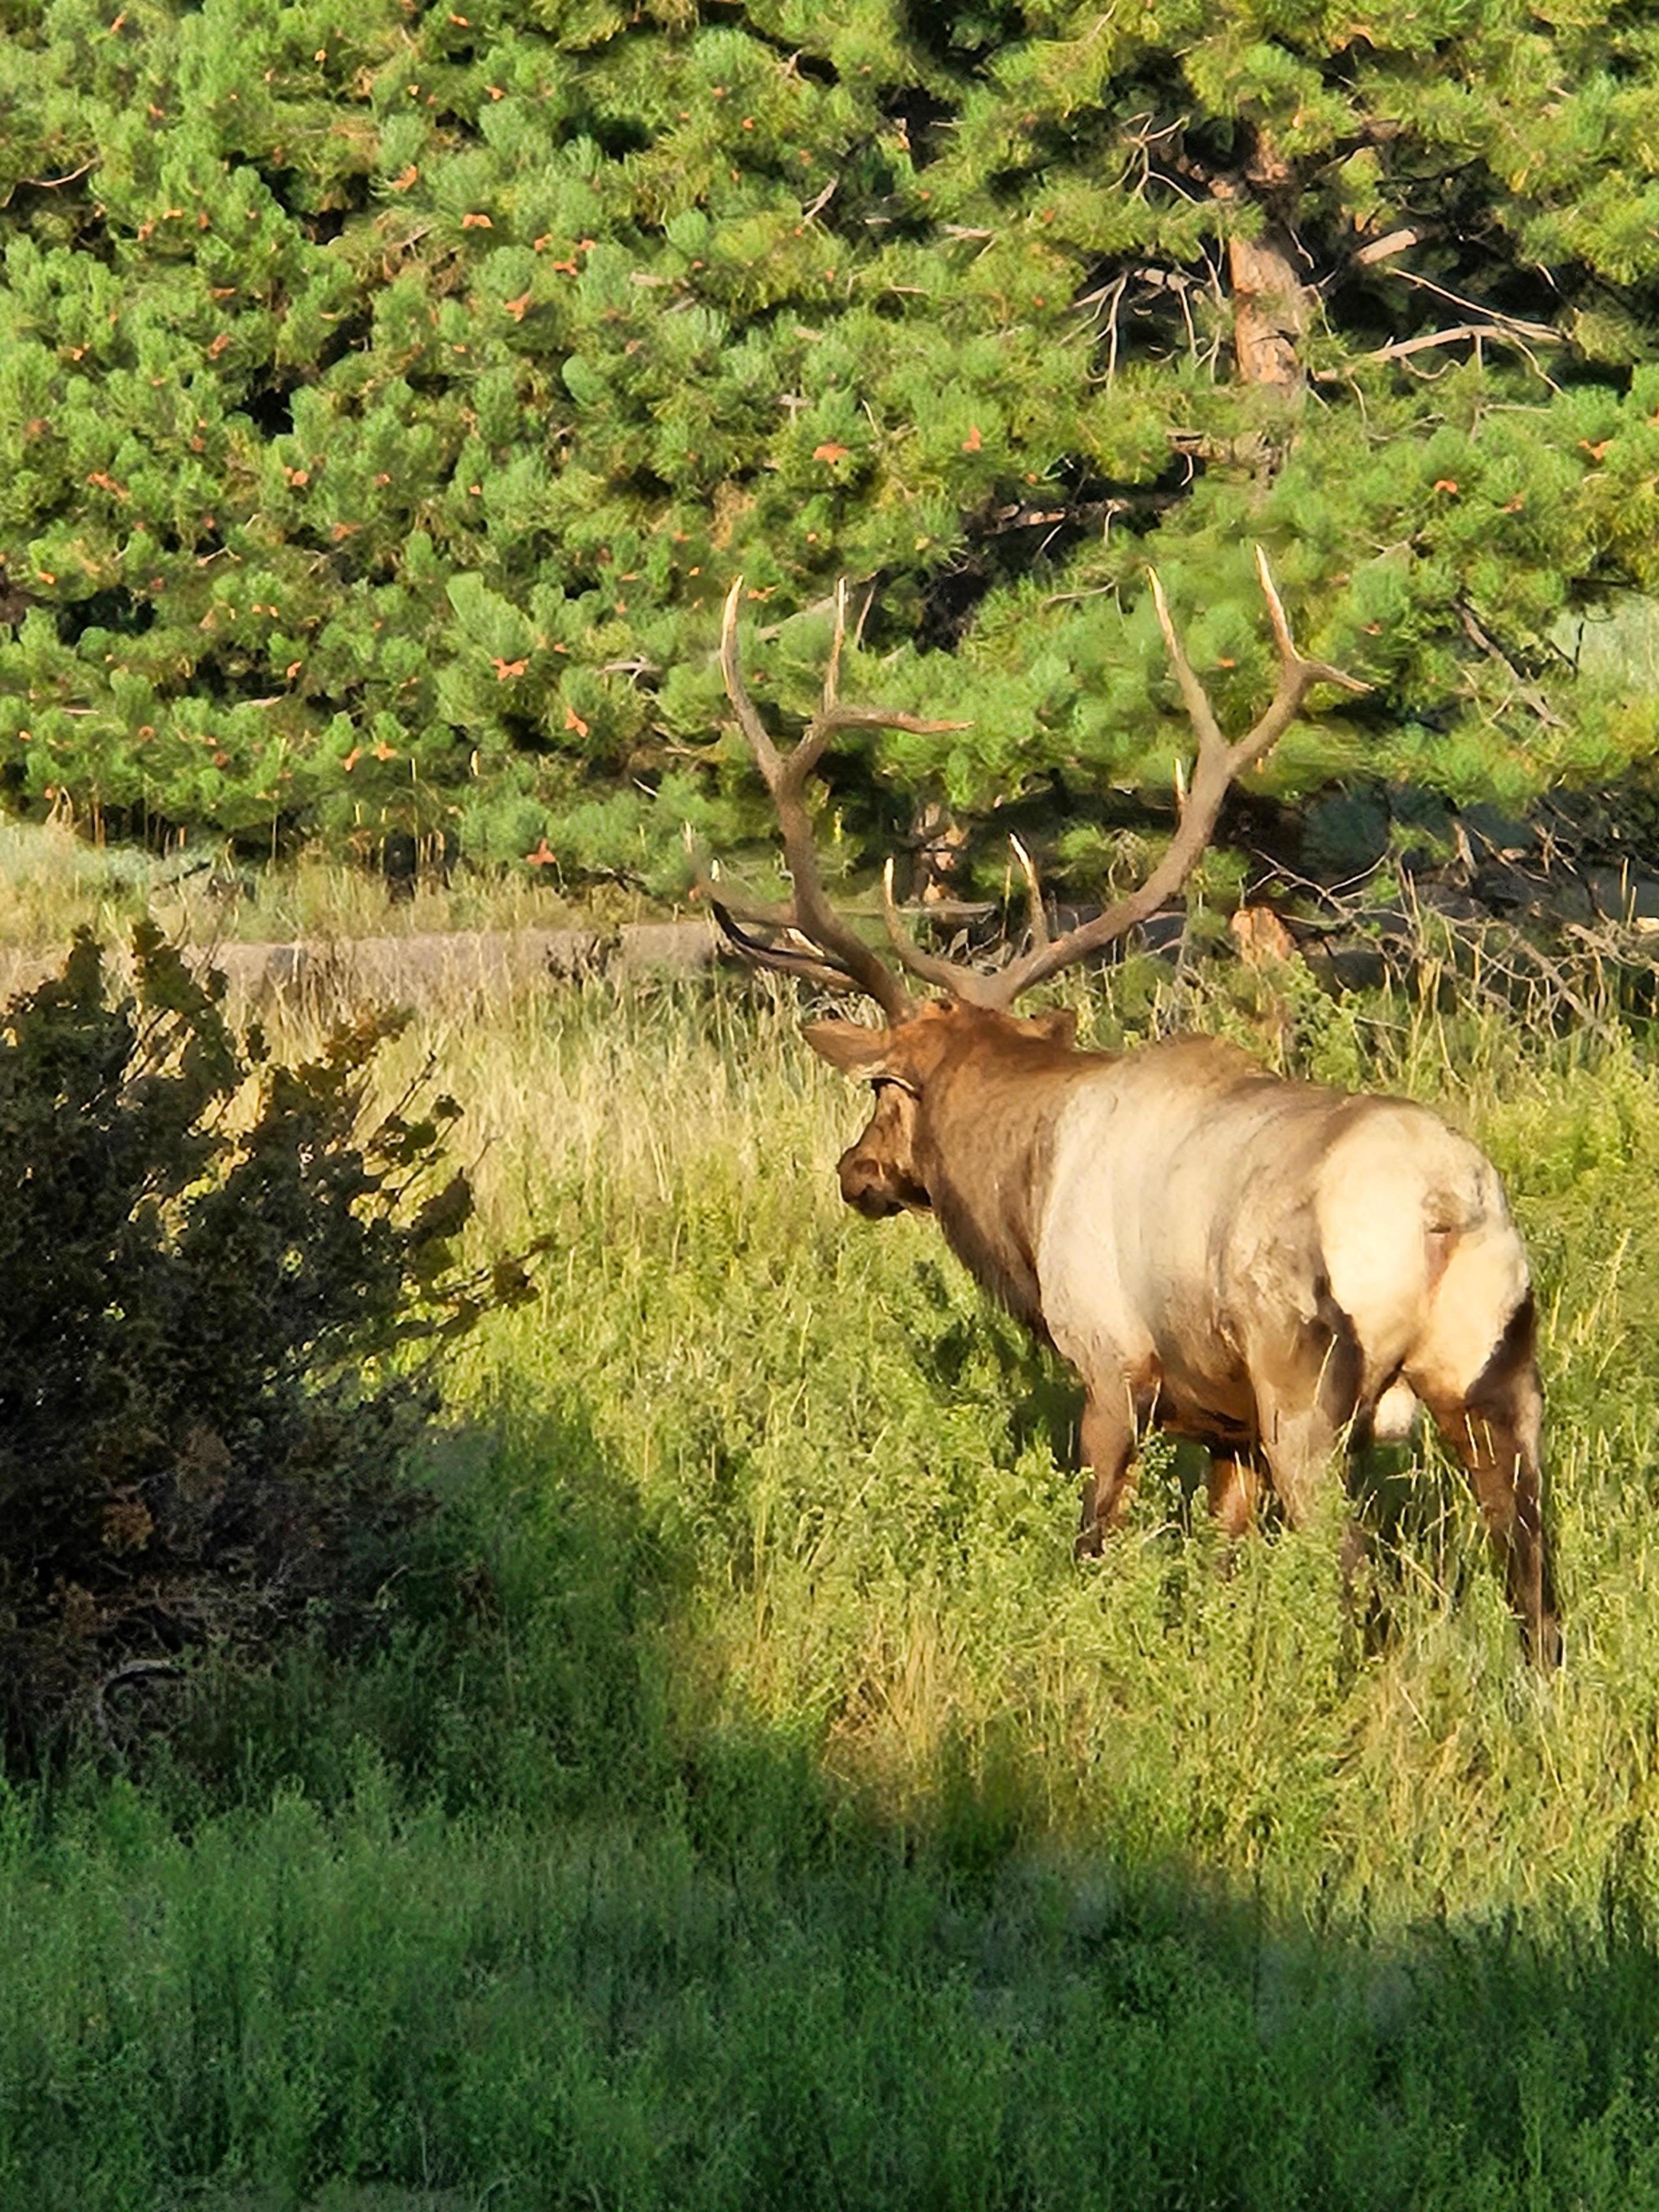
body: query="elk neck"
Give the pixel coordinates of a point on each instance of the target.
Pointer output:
(986, 1151)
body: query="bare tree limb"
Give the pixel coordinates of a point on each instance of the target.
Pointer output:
(1396, 241)
(52, 183)
(1500, 333)
(1539, 333)
(129, 1670)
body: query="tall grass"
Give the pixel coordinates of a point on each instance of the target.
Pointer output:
(863, 1478)
(53, 882)
(755, 1803)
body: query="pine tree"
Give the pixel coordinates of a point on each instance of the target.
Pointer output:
(389, 395)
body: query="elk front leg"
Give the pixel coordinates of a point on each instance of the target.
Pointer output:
(1298, 1443)
(1109, 1445)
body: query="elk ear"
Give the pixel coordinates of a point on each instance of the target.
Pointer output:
(1057, 1026)
(849, 1046)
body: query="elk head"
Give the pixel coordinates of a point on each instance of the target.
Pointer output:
(888, 1169)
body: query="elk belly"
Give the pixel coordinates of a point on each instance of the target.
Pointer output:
(1124, 1250)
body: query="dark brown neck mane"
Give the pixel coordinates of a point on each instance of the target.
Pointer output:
(987, 1136)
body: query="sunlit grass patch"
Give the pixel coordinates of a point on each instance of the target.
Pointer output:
(53, 882)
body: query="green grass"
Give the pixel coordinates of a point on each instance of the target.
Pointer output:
(606, 2017)
(755, 1803)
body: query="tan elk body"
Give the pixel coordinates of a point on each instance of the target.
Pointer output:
(1271, 1268)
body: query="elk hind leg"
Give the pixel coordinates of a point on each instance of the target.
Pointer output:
(1306, 1384)
(1308, 1392)
(1494, 1429)
(1109, 1445)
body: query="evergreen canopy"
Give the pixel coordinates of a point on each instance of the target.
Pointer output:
(389, 394)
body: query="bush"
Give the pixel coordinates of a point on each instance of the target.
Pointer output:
(210, 1266)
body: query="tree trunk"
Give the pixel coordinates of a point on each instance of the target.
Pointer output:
(1269, 313)
(939, 841)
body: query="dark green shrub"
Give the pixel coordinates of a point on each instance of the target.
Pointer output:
(209, 1266)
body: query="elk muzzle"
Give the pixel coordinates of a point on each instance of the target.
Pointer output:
(875, 1186)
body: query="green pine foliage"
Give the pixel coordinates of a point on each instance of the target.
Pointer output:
(388, 395)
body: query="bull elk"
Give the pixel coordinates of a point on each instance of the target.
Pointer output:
(1273, 1269)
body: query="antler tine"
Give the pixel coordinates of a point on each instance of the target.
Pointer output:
(848, 963)
(1297, 677)
(832, 669)
(784, 957)
(842, 960)
(952, 976)
(723, 901)
(1276, 614)
(767, 913)
(1195, 697)
(767, 759)
(792, 768)
(1217, 765)
(1039, 923)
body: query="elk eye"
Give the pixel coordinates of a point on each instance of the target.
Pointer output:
(880, 1083)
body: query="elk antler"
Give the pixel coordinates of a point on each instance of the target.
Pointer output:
(1217, 765)
(837, 956)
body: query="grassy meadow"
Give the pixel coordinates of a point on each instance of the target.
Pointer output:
(52, 879)
(754, 1803)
